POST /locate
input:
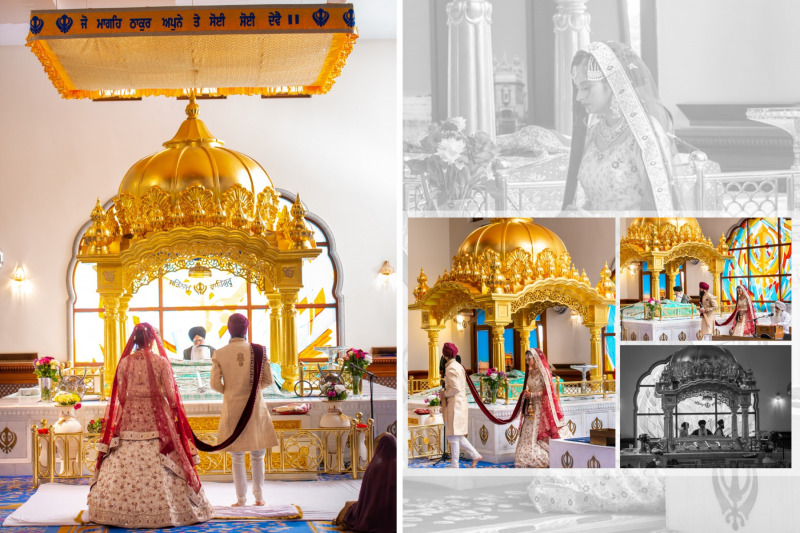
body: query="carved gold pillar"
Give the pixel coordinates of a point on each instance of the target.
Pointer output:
(470, 69)
(596, 352)
(111, 344)
(524, 343)
(572, 33)
(671, 275)
(746, 417)
(716, 288)
(498, 358)
(289, 364)
(122, 317)
(434, 378)
(668, 433)
(734, 421)
(275, 328)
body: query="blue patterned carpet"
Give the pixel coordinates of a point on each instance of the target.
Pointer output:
(14, 491)
(463, 463)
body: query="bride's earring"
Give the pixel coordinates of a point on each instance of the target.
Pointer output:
(614, 110)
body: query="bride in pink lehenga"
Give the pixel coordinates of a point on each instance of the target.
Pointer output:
(542, 418)
(145, 474)
(744, 316)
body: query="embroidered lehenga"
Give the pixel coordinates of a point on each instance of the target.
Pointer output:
(743, 318)
(627, 166)
(542, 418)
(145, 474)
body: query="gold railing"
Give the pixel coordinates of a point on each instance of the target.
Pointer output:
(94, 382)
(313, 450)
(576, 389)
(425, 441)
(417, 385)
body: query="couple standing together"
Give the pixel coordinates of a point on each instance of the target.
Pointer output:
(542, 417)
(145, 474)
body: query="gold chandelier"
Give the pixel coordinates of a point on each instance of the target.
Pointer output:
(281, 50)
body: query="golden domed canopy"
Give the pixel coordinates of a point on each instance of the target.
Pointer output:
(194, 157)
(697, 354)
(504, 235)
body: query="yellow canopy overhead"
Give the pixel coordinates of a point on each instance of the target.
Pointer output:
(269, 50)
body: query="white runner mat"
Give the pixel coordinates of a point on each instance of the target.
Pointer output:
(318, 500)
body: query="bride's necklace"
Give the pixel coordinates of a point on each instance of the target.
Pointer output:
(609, 134)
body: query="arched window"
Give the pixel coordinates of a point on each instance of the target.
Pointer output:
(649, 416)
(178, 301)
(762, 261)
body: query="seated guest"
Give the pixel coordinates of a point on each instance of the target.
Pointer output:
(782, 317)
(701, 431)
(680, 297)
(684, 430)
(376, 508)
(199, 350)
(720, 431)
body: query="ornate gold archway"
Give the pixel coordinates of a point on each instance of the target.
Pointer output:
(513, 270)
(665, 243)
(175, 210)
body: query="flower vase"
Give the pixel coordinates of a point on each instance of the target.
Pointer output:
(334, 418)
(436, 415)
(68, 446)
(45, 390)
(356, 387)
(493, 395)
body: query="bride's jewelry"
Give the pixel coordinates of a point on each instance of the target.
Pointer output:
(614, 109)
(609, 134)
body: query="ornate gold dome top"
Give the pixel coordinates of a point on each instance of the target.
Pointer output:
(194, 157)
(504, 235)
(696, 354)
(661, 234)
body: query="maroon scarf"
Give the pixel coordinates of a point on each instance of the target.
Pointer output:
(499, 421)
(257, 353)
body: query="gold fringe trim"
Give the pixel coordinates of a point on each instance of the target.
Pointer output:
(341, 46)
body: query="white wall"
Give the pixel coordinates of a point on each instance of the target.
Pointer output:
(337, 150)
(728, 51)
(433, 242)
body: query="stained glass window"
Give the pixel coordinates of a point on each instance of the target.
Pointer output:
(762, 261)
(177, 302)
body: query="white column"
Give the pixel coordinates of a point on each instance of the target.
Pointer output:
(572, 33)
(470, 72)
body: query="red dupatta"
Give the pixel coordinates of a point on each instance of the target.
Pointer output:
(174, 434)
(750, 314)
(552, 419)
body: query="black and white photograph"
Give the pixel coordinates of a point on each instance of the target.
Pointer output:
(705, 406)
(648, 106)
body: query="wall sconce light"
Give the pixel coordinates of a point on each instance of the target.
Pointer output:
(20, 276)
(461, 322)
(632, 268)
(704, 267)
(386, 274)
(778, 398)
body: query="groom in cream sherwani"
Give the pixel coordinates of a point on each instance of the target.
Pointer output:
(231, 375)
(708, 310)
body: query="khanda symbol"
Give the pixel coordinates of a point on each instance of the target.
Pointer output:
(36, 25)
(736, 497)
(321, 17)
(349, 18)
(567, 461)
(64, 23)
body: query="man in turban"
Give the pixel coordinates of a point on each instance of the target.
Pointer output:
(454, 400)
(708, 310)
(680, 297)
(782, 317)
(233, 375)
(199, 349)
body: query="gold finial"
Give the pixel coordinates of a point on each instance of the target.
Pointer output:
(258, 227)
(218, 218)
(97, 235)
(606, 285)
(422, 285)
(299, 232)
(723, 244)
(584, 277)
(176, 217)
(496, 278)
(192, 109)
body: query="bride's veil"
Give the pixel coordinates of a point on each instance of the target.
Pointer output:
(657, 116)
